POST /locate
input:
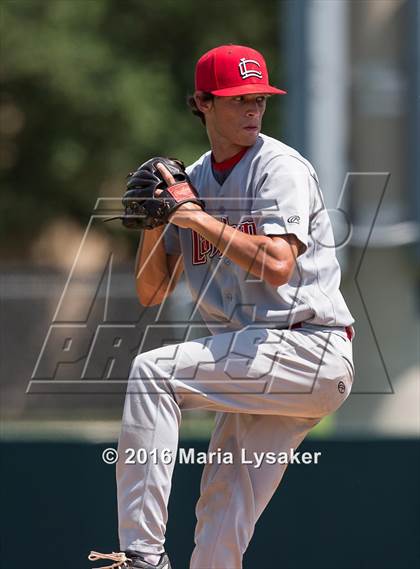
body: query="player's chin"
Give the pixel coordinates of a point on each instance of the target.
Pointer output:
(249, 136)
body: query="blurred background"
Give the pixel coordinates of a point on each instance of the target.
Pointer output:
(89, 90)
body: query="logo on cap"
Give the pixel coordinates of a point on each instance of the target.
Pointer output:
(245, 72)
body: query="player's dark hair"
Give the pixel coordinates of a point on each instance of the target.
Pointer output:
(193, 105)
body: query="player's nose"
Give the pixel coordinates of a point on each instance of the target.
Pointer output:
(252, 109)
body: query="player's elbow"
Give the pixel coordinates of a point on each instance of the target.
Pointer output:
(147, 301)
(149, 296)
(281, 262)
(278, 273)
(150, 302)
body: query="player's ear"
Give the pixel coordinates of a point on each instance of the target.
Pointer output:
(203, 102)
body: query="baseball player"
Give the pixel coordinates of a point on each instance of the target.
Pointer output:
(249, 229)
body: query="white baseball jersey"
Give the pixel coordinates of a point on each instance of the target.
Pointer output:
(273, 190)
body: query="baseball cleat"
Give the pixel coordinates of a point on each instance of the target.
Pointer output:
(128, 560)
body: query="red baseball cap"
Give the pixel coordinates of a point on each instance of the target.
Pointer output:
(230, 70)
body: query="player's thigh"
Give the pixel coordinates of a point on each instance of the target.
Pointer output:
(222, 356)
(211, 372)
(253, 370)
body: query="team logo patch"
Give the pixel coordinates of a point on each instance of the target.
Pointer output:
(293, 219)
(247, 68)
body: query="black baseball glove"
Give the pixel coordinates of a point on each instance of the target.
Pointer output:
(143, 208)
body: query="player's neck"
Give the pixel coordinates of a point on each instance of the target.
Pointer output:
(223, 152)
(228, 164)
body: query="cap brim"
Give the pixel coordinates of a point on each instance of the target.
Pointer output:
(249, 89)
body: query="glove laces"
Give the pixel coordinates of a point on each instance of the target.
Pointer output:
(120, 559)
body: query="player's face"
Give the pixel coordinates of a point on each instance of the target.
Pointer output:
(237, 120)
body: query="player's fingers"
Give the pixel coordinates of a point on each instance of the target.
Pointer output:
(167, 176)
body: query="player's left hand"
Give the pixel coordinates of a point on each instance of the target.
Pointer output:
(182, 215)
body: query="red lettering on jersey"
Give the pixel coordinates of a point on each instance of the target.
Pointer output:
(214, 251)
(248, 227)
(202, 249)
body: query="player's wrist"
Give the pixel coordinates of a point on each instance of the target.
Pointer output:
(197, 218)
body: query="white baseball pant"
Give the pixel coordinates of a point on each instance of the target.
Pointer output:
(270, 388)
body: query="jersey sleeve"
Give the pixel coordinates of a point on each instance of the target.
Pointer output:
(281, 204)
(171, 239)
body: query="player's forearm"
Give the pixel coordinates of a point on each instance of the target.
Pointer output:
(151, 269)
(256, 254)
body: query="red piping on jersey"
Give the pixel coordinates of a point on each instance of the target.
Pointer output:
(229, 163)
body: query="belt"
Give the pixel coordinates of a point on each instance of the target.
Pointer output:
(348, 329)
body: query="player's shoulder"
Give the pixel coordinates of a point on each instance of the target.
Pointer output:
(274, 152)
(199, 164)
